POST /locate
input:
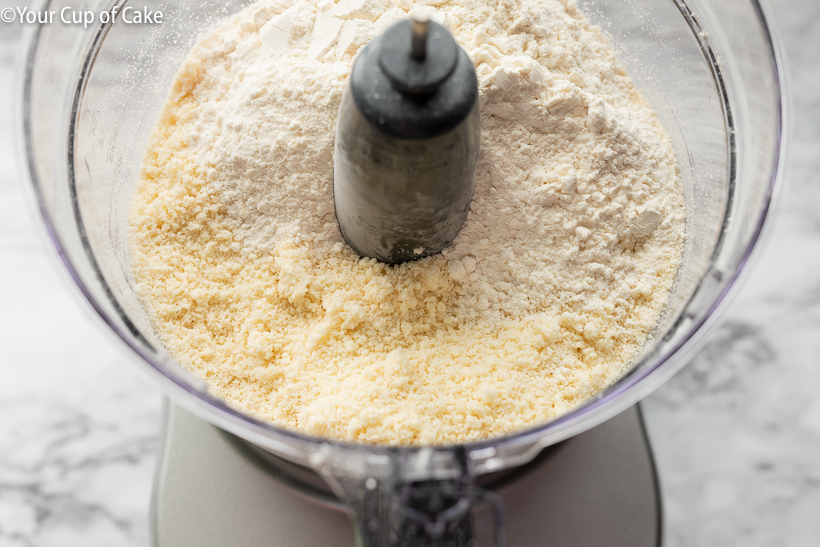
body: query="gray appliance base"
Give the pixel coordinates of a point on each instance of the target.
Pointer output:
(599, 488)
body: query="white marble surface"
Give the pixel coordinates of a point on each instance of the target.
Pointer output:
(78, 430)
(736, 433)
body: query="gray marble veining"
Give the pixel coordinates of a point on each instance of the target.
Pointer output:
(736, 433)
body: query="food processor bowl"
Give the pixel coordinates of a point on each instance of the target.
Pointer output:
(90, 96)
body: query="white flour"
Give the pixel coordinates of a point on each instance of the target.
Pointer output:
(560, 272)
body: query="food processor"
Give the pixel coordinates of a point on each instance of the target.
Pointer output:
(88, 99)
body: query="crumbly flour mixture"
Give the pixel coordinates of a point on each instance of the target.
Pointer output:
(566, 260)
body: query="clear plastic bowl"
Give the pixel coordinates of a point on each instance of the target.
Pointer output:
(90, 96)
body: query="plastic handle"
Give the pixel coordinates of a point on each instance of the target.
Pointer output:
(407, 500)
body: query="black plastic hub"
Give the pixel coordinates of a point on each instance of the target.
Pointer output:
(407, 143)
(410, 98)
(424, 72)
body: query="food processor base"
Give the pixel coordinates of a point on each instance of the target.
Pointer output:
(598, 488)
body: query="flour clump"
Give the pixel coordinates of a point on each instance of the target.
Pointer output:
(560, 272)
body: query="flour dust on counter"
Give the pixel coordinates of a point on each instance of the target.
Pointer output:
(560, 272)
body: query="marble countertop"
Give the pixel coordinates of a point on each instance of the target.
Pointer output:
(736, 433)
